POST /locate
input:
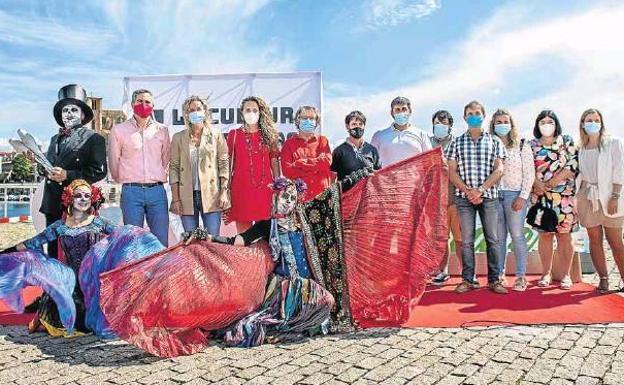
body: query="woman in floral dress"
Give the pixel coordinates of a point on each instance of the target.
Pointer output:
(556, 167)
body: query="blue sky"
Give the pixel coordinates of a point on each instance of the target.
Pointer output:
(521, 55)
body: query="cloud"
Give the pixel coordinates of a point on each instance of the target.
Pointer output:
(517, 62)
(100, 43)
(380, 14)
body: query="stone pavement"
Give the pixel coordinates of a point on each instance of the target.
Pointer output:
(497, 355)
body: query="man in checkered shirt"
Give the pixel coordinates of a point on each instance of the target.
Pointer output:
(475, 166)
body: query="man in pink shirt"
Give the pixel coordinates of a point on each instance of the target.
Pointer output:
(138, 158)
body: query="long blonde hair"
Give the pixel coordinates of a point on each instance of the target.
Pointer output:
(512, 136)
(268, 132)
(583, 135)
(185, 111)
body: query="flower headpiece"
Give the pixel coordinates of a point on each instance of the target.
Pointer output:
(280, 183)
(67, 197)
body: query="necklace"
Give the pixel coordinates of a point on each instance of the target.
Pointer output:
(250, 153)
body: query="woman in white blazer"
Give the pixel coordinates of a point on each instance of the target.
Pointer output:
(600, 202)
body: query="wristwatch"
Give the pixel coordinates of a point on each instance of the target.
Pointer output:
(481, 190)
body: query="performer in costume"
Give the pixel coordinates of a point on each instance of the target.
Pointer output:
(158, 314)
(76, 152)
(65, 306)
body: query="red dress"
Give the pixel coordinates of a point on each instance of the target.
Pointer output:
(250, 193)
(309, 160)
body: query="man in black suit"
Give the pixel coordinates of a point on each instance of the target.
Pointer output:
(76, 152)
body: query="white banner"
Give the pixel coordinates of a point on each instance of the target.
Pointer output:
(283, 92)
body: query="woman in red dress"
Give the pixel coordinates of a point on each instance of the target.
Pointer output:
(254, 151)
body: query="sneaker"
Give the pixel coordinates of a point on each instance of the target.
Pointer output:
(520, 284)
(475, 284)
(464, 287)
(566, 283)
(439, 279)
(497, 287)
(603, 286)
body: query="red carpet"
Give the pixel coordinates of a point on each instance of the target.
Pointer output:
(9, 318)
(442, 307)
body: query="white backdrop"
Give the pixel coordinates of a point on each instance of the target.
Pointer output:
(283, 92)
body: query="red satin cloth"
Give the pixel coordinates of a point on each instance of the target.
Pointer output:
(165, 302)
(395, 234)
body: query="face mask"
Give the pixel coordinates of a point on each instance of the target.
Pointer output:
(356, 132)
(71, 116)
(547, 129)
(592, 128)
(401, 119)
(502, 129)
(251, 117)
(196, 117)
(143, 110)
(474, 121)
(307, 125)
(440, 131)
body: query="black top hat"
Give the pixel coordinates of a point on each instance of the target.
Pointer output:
(72, 94)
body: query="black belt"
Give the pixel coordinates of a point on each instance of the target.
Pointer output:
(144, 185)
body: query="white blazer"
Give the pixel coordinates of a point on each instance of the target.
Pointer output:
(610, 171)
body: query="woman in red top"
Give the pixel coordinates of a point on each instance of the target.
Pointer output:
(254, 151)
(306, 155)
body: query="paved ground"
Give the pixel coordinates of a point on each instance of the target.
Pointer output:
(499, 355)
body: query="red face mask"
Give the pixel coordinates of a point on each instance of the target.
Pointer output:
(143, 110)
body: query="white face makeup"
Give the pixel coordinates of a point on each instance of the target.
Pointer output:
(71, 115)
(82, 199)
(287, 200)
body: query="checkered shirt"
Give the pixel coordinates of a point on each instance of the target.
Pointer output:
(475, 160)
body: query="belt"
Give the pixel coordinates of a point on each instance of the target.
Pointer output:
(144, 185)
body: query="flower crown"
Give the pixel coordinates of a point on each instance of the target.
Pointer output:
(280, 183)
(68, 194)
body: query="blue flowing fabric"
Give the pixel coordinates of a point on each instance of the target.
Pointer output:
(125, 244)
(32, 268)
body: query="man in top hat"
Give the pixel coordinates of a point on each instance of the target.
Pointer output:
(76, 152)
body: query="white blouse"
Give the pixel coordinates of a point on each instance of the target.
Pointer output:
(519, 170)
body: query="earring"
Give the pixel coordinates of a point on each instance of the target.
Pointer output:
(69, 210)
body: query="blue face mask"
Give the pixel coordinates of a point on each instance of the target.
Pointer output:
(502, 129)
(196, 117)
(441, 131)
(307, 125)
(402, 118)
(474, 121)
(591, 127)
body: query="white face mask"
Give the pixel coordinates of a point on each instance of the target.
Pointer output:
(71, 115)
(547, 129)
(251, 117)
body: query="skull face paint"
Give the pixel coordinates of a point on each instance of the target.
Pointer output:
(82, 199)
(71, 115)
(286, 200)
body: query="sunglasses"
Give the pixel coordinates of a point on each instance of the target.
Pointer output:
(82, 195)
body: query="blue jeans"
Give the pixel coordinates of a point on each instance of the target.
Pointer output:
(139, 203)
(513, 222)
(488, 213)
(212, 221)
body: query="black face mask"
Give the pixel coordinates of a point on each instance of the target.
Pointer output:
(356, 132)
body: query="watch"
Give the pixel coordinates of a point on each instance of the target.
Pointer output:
(481, 190)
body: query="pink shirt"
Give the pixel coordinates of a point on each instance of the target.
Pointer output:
(138, 155)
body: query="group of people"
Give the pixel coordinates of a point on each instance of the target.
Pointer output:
(265, 187)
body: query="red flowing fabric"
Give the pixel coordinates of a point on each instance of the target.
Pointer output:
(395, 232)
(165, 302)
